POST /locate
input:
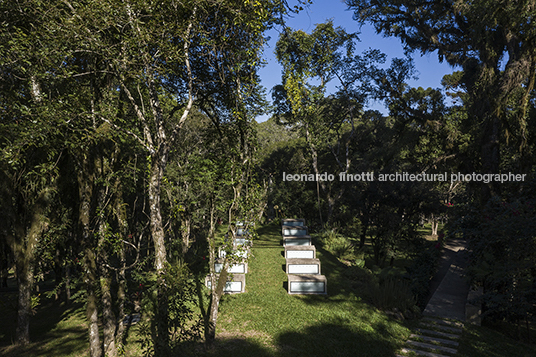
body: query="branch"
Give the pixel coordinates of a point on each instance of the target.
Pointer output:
(438, 160)
(140, 116)
(186, 48)
(128, 132)
(135, 261)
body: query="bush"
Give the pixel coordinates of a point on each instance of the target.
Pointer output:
(392, 293)
(384, 289)
(421, 272)
(183, 319)
(361, 275)
(503, 247)
(337, 244)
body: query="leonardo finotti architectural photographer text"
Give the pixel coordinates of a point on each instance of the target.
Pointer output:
(406, 176)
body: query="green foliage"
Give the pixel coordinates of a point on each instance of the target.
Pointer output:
(363, 276)
(392, 293)
(269, 133)
(422, 270)
(35, 302)
(386, 289)
(184, 322)
(495, 50)
(340, 246)
(291, 198)
(503, 245)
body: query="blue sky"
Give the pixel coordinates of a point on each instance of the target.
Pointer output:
(429, 70)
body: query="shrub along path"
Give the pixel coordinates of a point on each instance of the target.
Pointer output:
(438, 333)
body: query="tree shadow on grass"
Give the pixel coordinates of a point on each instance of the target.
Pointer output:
(238, 346)
(269, 236)
(46, 339)
(323, 340)
(63, 342)
(336, 339)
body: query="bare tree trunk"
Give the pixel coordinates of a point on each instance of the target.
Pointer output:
(161, 343)
(58, 274)
(491, 157)
(23, 246)
(435, 224)
(105, 280)
(121, 295)
(85, 182)
(216, 286)
(217, 292)
(108, 316)
(92, 314)
(25, 281)
(5, 260)
(185, 232)
(68, 283)
(157, 229)
(314, 156)
(121, 277)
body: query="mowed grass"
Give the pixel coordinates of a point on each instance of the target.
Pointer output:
(56, 330)
(267, 321)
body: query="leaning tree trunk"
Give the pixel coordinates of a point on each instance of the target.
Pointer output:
(435, 224)
(216, 285)
(215, 297)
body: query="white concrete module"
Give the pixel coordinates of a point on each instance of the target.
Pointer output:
(239, 252)
(303, 266)
(293, 222)
(294, 231)
(307, 284)
(300, 251)
(236, 283)
(238, 268)
(296, 240)
(241, 241)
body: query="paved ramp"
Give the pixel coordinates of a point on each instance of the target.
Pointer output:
(442, 326)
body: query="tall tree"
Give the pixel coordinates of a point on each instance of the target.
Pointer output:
(311, 62)
(163, 58)
(493, 41)
(29, 146)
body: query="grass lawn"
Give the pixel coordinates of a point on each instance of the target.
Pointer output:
(56, 331)
(264, 321)
(267, 321)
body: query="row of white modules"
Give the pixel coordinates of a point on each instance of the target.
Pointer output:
(236, 278)
(303, 268)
